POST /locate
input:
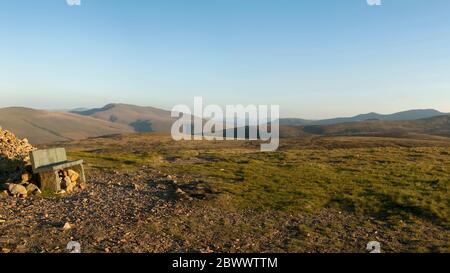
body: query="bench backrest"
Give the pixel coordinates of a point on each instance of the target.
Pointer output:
(41, 158)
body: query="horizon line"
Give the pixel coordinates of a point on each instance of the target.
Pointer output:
(162, 108)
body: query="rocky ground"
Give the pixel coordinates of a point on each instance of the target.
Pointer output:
(146, 211)
(102, 216)
(147, 193)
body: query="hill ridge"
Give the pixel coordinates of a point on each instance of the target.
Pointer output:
(412, 114)
(41, 126)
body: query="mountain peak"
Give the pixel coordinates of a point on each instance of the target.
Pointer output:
(139, 118)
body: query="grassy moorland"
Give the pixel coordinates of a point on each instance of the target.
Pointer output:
(320, 194)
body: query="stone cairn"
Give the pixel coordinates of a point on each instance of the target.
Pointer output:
(16, 177)
(13, 148)
(15, 166)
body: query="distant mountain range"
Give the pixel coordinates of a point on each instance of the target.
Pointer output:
(434, 126)
(406, 115)
(41, 126)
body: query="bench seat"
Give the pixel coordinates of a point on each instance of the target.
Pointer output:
(58, 166)
(47, 163)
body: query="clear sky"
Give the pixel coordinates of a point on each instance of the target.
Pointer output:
(316, 58)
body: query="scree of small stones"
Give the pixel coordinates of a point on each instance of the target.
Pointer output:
(13, 148)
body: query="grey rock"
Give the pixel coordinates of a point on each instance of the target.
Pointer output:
(17, 190)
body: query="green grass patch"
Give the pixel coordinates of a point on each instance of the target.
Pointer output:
(384, 182)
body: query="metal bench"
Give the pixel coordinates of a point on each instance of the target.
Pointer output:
(47, 163)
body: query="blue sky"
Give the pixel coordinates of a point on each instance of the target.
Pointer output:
(316, 59)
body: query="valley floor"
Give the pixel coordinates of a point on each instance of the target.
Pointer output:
(149, 194)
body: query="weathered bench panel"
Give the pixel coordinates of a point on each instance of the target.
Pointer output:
(58, 166)
(41, 158)
(47, 163)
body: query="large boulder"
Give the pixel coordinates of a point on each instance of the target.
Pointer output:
(32, 189)
(17, 190)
